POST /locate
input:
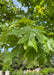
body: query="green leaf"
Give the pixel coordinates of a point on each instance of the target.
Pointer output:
(25, 20)
(32, 41)
(30, 53)
(39, 35)
(50, 44)
(18, 31)
(29, 38)
(23, 39)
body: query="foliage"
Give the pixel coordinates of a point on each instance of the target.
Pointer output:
(29, 34)
(47, 70)
(18, 72)
(44, 71)
(6, 10)
(2, 59)
(41, 11)
(18, 63)
(50, 70)
(33, 73)
(32, 65)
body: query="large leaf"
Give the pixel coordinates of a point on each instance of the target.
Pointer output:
(39, 35)
(29, 38)
(50, 44)
(32, 41)
(18, 31)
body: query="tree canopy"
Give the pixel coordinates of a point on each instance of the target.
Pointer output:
(30, 34)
